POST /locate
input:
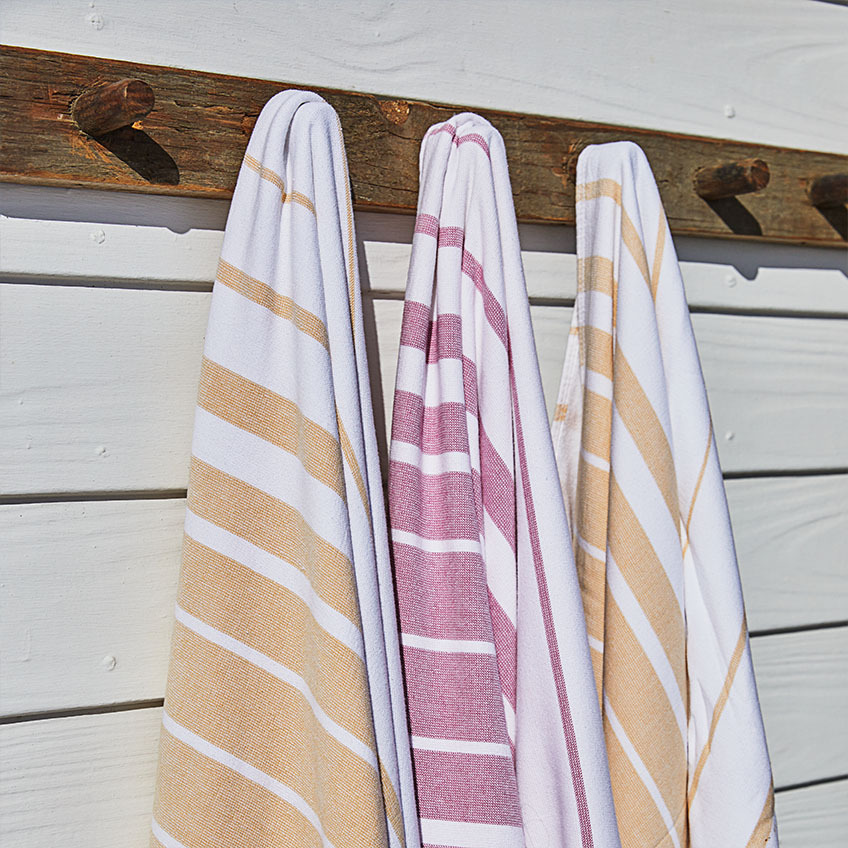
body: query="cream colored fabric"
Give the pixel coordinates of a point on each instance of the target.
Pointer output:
(652, 537)
(284, 721)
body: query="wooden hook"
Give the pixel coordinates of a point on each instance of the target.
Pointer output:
(111, 106)
(731, 178)
(828, 191)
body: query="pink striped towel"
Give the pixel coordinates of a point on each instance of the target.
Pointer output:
(507, 741)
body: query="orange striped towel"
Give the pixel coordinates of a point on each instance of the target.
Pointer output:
(284, 720)
(654, 549)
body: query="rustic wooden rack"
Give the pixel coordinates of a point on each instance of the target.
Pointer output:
(191, 142)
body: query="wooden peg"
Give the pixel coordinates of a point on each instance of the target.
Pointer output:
(110, 106)
(731, 178)
(828, 191)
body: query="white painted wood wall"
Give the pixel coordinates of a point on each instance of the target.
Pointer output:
(103, 303)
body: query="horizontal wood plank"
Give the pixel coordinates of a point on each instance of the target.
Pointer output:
(88, 601)
(99, 385)
(89, 587)
(160, 154)
(803, 692)
(790, 541)
(717, 275)
(813, 817)
(79, 782)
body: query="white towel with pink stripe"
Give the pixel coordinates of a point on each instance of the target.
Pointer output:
(507, 741)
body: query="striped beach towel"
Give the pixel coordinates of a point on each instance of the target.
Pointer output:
(653, 544)
(284, 720)
(507, 741)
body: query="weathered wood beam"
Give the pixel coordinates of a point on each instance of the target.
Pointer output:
(192, 142)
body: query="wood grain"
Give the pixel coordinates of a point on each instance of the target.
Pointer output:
(193, 141)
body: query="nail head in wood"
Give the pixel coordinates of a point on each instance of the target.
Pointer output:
(731, 178)
(828, 191)
(111, 106)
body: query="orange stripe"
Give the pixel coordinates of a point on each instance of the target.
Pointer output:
(277, 623)
(250, 406)
(658, 255)
(596, 273)
(274, 178)
(205, 804)
(764, 825)
(252, 715)
(718, 709)
(636, 411)
(277, 528)
(697, 489)
(640, 702)
(644, 573)
(279, 304)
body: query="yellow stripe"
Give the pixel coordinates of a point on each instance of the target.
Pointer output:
(274, 621)
(640, 702)
(596, 273)
(274, 178)
(197, 800)
(697, 489)
(644, 573)
(629, 233)
(247, 712)
(640, 822)
(596, 425)
(636, 411)
(718, 709)
(350, 458)
(279, 304)
(762, 830)
(560, 411)
(276, 419)
(277, 528)
(658, 255)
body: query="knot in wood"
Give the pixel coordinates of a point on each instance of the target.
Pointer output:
(395, 111)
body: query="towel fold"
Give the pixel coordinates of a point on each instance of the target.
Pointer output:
(284, 720)
(654, 549)
(507, 742)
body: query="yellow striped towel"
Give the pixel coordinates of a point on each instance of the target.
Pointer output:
(655, 556)
(284, 720)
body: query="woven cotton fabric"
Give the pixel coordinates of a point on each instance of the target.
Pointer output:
(284, 721)
(642, 482)
(507, 741)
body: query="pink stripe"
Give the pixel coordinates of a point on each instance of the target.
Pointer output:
(415, 327)
(467, 788)
(432, 429)
(435, 506)
(498, 489)
(475, 139)
(426, 609)
(428, 225)
(506, 649)
(454, 696)
(556, 663)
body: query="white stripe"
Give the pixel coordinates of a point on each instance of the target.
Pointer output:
(600, 384)
(590, 549)
(286, 675)
(641, 770)
(501, 570)
(437, 546)
(164, 837)
(594, 459)
(509, 715)
(430, 463)
(278, 571)
(461, 746)
(447, 646)
(471, 834)
(648, 639)
(213, 752)
(263, 465)
(596, 644)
